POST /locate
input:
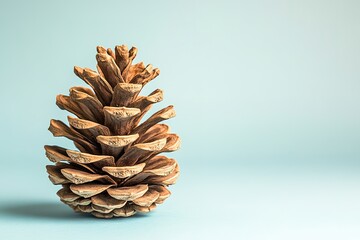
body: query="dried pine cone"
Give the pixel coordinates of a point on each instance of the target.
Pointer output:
(118, 170)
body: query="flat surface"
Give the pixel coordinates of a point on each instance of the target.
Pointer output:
(267, 100)
(250, 202)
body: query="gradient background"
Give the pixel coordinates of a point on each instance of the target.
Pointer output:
(267, 95)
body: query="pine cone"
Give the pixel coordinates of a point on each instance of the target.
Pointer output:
(116, 171)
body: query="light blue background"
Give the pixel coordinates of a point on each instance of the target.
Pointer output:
(267, 95)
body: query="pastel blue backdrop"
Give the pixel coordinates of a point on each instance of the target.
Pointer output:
(267, 95)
